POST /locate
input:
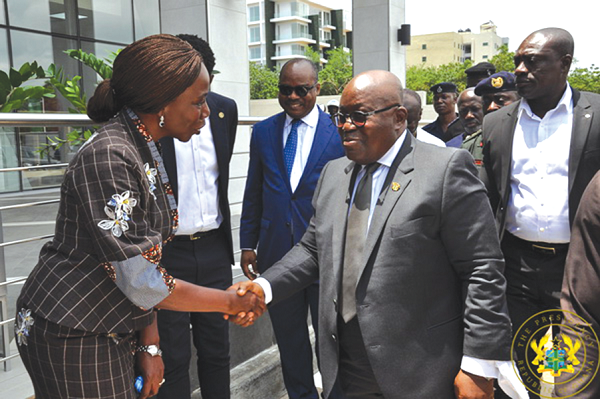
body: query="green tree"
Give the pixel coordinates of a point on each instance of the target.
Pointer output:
(263, 82)
(504, 60)
(337, 72)
(13, 95)
(419, 77)
(313, 55)
(585, 79)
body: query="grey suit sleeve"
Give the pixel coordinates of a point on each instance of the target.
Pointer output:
(469, 235)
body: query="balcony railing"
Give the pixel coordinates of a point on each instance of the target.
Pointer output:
(292, 36)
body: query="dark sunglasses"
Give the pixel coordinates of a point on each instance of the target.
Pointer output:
(301, 91)
(357, 118)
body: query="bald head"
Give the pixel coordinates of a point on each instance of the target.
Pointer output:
(382, 86)
(542, 64)
(412, 103)
(372, 115)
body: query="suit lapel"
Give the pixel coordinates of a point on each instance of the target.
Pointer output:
(583, 114)
(277, 145)
(506, 137)
(218, 128)
(399, 173)
(168, 155)
(340, 217)
(320, 143)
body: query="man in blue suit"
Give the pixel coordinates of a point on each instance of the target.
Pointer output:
(287, 153)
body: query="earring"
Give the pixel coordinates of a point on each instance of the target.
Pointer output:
(161, 122)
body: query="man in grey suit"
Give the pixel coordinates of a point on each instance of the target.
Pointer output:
(417, 308)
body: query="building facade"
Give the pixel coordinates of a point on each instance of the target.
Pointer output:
(279, 30)
(443, 48)
(41, 30)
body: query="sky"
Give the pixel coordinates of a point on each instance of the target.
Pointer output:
(515, 19)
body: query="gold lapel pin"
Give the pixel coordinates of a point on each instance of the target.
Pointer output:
(395, 186)
(221, 115)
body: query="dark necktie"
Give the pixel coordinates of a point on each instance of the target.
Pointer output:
(289, 151)
(356, 236)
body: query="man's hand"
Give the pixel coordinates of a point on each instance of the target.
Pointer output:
(248, 261)
(248, 288)
(470, 386)
(152, 370)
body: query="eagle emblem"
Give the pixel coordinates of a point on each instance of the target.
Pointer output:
(497, 82)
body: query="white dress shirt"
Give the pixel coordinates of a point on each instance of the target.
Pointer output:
(502, 370)
(306, 136)
(427, 137)
(197, 183)
(538, 207)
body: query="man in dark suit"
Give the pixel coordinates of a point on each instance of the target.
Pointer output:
(287, 153)
(410, 268)
(202, 250)
(539, 155)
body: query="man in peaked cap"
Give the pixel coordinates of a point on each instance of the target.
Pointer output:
(333, 106)
(478, 72)
(444, 104)
(496, 92)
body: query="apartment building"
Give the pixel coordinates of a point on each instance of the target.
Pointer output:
(442, 48)
(279, 30)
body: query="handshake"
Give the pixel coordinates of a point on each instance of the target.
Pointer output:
(247, 305)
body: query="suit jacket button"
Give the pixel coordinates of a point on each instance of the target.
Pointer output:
(335, 305)
(334, 337)
(287, 224)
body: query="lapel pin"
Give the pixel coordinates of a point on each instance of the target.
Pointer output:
(588, 116)
(395, 186)
(221, 115)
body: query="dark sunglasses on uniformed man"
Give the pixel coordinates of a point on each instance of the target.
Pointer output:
(357, 118)
(301, 91)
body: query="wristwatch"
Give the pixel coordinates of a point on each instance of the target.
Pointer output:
(153, 350)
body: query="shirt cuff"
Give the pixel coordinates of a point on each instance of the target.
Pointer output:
(266, 286)
(504, 371)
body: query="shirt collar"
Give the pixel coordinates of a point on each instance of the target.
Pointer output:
(388, 158)
(566, 102)
(311, 119)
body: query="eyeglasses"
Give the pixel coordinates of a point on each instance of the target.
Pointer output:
(301, 91)
(357, 118)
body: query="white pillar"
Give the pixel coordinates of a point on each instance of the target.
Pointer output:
(375, 45)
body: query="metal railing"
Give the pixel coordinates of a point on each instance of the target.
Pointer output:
(47, 120)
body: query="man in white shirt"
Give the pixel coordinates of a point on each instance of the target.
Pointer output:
(287, 153)
(202, 250)
(539, 155)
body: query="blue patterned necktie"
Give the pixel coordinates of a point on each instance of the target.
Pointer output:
(289, 151)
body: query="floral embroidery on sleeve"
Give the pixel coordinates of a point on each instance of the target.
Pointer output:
(154, 254)
(22, 326)
(110, 270)
(151, 175)
(119, 216)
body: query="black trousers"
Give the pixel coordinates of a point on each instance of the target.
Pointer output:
(355, 374)
(534, 282)
(204, 262)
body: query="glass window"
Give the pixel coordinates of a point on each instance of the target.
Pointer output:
(57, 16)
(9, 181)
(4, 59)
(423, 47)
(255, 53)
(254, 34)
(2, 16)
(424, 59)
(44, 49)
(146, 15)
(254, 13)
(106, 20)
(485, 57)
(90, 77)
(485, 44)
